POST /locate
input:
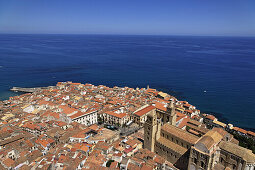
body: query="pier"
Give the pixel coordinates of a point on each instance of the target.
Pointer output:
(28, 90)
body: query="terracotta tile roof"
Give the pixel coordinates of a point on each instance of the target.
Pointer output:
(240, 130)
(187, 105)
(114, 165)
(67, 110)
(244, 153)
(127, 150)
(220, 131)
(146, 167)
(9, 162)
(44, 142)
(201, 129)
(193, 132)
(179, 133)
(194, 122)
(251, 133)
(78, 114)
(210, 139)
(211, 117)
(183, 122)
(160, 106)
(133, 166)
(179, 114)
(120, 115)
(144, 110)
(171, 145)
(94, 127)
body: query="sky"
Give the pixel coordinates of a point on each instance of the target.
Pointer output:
(153, 17)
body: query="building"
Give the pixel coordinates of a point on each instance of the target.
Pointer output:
(115, 118)
(236, 157)
(87, 118)
(205, 152)
(213, 150)
(140, 115)
(167, 114)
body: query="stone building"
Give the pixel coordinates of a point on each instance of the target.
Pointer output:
(236, 157)
(214, 150)
(168, 115)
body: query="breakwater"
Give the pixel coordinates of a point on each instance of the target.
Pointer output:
(28, 90)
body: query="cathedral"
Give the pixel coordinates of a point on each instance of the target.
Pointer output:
(213, 150)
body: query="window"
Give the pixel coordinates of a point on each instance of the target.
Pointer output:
(202, 164)
(195, 160)
(221, 159)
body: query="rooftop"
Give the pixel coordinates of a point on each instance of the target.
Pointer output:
(171, 145)
(181, 134)
(244, 153)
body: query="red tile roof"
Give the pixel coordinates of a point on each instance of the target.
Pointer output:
(240, 130)
(251, 133)
(210, 117)
(8, 162)
(160, 106)
(119, 115)
(144, 110)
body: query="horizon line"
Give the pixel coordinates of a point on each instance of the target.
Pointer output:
(180, 35)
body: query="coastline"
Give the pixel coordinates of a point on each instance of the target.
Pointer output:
(219, 116)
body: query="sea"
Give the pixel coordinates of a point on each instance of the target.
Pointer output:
(215, 74)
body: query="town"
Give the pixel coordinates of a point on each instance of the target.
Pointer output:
(83, 126)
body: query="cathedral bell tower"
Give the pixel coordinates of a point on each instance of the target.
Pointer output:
(152, 129)
(170, 116)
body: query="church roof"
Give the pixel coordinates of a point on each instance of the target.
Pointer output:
(207, 141)
(244, 153)
(171, 145)
(179, 133)
(211, 138)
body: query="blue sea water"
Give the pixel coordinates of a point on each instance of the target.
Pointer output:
(184, 66)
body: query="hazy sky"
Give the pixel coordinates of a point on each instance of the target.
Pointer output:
(171, 17)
